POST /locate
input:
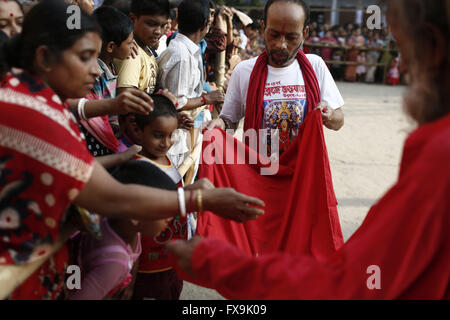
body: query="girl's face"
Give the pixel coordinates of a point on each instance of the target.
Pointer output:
(11, 18)
(156, 138)
(74, 73)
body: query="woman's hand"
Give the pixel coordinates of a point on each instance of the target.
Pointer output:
(185, 121)
(183, 250)
(230, 204)
(134, 50)
(202, 184)
(132, 100)
(131, 152)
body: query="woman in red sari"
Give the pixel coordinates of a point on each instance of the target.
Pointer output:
(44, 162)
(402, 249)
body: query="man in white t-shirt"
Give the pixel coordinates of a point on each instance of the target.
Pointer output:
(285, 102)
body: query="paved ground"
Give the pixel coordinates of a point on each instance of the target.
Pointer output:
(364, 156)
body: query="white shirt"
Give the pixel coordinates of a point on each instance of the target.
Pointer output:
(181, 69)
(285, 103)
(283, 84)
(162, 45)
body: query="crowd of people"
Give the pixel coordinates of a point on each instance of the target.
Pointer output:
(358, 44)
(102, 129)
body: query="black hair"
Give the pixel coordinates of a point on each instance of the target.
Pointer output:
(116, 26)
(301, 3)
(143, 173)
(254, 26)
(173, 14)
(47, 24)
(150, 7)
(123, 5)
(162, 107)
(212, 4)
(3, 37)
(192, 15)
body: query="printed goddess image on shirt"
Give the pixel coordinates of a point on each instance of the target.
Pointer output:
(284, 109)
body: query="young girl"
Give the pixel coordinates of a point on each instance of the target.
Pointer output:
(361, 69)
(155, 278)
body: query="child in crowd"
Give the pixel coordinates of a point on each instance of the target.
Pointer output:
(361, 68)
(155, 278)
(117, 41)
(106, 264)
(148, 16)
(393, 76)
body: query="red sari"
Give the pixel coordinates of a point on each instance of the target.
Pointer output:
(44, 164)
(406, 235)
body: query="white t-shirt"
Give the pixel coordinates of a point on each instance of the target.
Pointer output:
(285, 103)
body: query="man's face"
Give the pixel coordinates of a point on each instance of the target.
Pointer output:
(149, 28)
(284, 32)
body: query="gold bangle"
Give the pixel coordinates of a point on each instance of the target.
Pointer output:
(199, 201)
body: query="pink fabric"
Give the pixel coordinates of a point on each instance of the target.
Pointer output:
(100, 128)
(105, 264)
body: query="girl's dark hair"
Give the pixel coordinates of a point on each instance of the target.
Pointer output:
(162, 107)
(116, 26)
(51, 23)
(143, 173)
(301, 3)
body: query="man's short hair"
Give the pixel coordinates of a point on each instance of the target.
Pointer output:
(299, 2)
(123, 5)
(192, 15)
(116, 26)
(150, 7)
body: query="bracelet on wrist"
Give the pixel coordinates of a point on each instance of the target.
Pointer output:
(204, 100)
(81, 111)
(181, 202)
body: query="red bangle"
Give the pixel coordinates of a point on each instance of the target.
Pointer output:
(204, 100)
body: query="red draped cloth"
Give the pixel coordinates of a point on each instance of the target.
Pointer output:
(401, 251)
(300, 213)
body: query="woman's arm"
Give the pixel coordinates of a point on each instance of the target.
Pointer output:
(116, 159)
(128, 100)
(106, 196)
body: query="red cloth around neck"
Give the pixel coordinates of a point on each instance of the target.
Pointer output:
(255, 94)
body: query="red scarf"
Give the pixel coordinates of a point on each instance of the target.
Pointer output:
(300, 214)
